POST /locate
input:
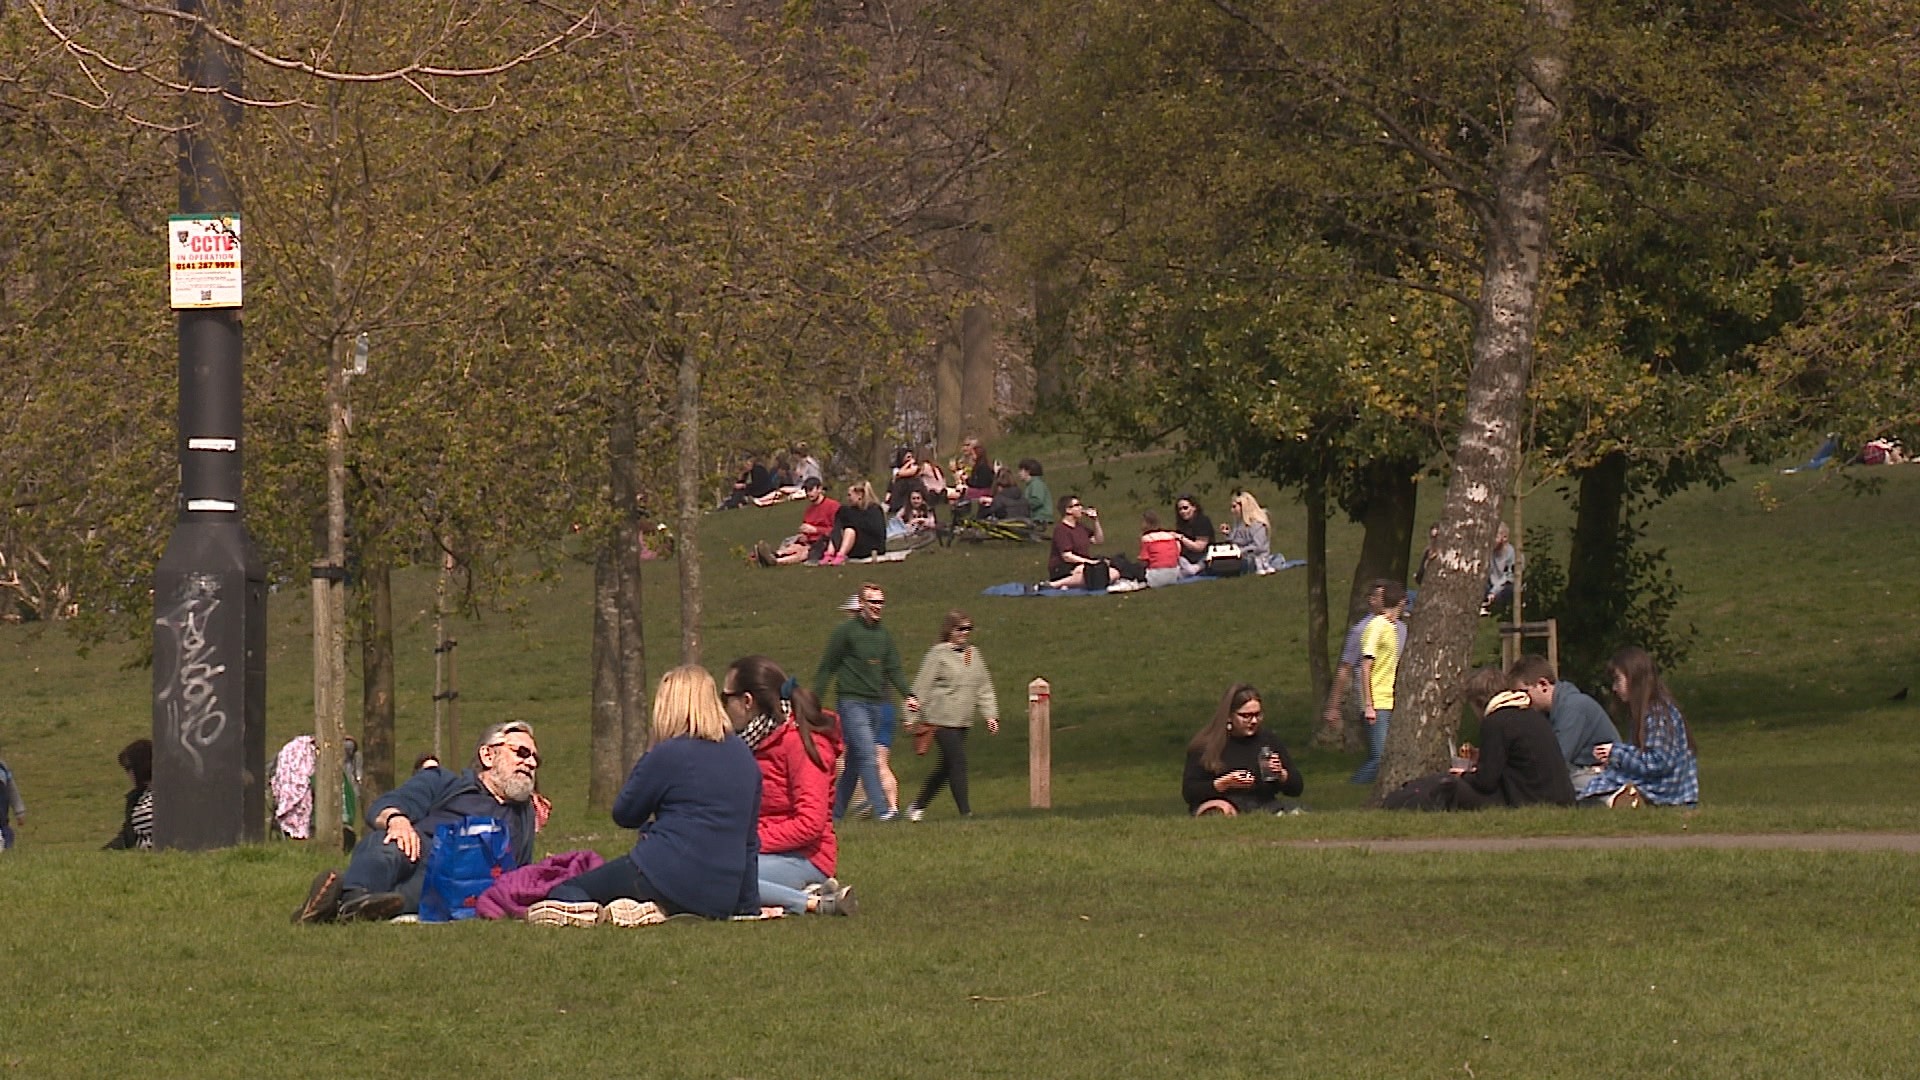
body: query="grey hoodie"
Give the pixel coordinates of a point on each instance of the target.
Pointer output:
(1580, 724)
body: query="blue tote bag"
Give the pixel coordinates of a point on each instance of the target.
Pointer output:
(467, 856)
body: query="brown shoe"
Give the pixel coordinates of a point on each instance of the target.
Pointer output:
(372, 907)
(323, 899)
(763, 555)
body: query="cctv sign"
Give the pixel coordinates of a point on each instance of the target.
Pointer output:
(204, 268)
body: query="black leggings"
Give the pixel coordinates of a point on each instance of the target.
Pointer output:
(951, 770)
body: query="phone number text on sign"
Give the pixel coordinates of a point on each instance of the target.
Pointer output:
(204, 262)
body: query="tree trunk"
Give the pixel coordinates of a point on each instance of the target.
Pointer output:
(1440, 635)
(688, 413)
(330, 617)
(1050, 338)
(978, 374)
(949, 426)
(1593, 601)
(1318, 667)
(376, 676)
(1387, 515)
(619, 724)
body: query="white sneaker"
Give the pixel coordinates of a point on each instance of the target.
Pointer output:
(626, 912)
(914, 813)
(564, 913)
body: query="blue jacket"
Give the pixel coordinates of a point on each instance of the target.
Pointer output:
(697, 806)
(434, 797)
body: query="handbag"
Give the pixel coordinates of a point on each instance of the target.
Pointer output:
(1225, 560)
(467, 856)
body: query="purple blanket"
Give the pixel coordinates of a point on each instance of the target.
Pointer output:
(508, 897)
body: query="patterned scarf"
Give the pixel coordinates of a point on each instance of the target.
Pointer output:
(760, 729)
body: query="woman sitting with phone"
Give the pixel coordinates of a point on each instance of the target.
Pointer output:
(1236, 767)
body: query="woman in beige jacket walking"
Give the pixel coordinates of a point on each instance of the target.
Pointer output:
(952, 686)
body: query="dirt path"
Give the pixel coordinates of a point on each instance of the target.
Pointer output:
(1830, 841)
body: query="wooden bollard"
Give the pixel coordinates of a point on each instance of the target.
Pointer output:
(1040, 744)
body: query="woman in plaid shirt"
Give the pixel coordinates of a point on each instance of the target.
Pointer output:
(1660, 759)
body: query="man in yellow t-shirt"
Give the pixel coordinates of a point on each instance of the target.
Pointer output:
(1380, 646)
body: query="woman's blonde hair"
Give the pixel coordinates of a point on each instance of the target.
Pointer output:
(860, 493)
(686, 704)
(1250, 510)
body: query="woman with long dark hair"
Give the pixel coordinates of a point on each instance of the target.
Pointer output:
(1659, 758)
(795, 742)
(952, 688)
(136, 825)
(1234, 766)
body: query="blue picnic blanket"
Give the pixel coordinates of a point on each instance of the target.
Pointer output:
(1021, 588)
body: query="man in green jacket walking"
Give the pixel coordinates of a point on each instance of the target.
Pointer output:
(863, 659)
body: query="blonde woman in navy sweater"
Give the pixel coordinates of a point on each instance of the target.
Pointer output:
(695, 798)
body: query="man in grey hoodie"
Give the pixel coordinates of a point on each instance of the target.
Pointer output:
(1579, 722)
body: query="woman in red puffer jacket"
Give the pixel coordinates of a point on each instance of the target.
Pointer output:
(795, 743)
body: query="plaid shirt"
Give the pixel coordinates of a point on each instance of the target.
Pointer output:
(1665, 770)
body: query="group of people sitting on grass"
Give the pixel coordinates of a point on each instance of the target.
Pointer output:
(762, 484)
(866, 526)
(1190, 548)
(1542, 741)
(735, 803)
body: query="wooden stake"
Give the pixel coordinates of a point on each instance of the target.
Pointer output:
(1040, 744)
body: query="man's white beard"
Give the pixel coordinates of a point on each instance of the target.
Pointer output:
(515, 787)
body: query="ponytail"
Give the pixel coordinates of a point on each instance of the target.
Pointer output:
(774, 691)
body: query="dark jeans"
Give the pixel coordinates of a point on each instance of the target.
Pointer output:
(951, 770)
(378, 866)
(618, 878)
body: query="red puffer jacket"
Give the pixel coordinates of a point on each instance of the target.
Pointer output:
(796, 796)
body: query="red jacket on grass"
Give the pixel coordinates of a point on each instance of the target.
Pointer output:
(796, 796)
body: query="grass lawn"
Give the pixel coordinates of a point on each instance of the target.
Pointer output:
(1107, 937)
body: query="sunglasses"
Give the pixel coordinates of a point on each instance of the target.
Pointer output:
(532, 757)
(882, 602)
(964, 627)
(1254, 715)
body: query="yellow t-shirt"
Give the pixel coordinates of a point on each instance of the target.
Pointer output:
(1381, 641)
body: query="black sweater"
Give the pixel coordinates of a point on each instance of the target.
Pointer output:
(1520, 762)
(1197, 783)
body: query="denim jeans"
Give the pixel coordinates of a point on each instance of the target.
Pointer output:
(1376, 746)
(858, 721)
(784, 877)
(377, 866)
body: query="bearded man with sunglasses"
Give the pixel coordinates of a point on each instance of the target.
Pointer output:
(384, 878)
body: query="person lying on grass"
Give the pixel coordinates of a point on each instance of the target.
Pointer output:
(1236, 767)
(794, 742)
(816, 530)
(385, 875)
(695, 799)
(1659, 757)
